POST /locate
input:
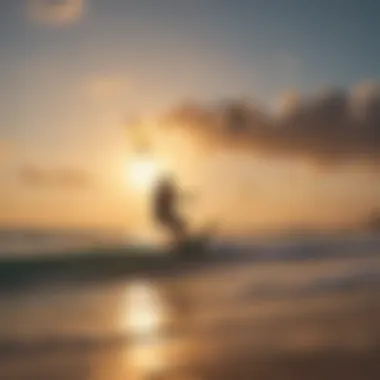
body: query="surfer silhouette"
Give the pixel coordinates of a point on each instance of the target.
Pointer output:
(165, 208)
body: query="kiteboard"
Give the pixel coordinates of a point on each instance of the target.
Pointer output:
(194, 246)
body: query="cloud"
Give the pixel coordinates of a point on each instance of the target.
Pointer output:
(55, 13)
(365, 98)
(289, 103)
(324, 128)
(58, 177)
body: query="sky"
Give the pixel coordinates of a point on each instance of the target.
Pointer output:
(73, 72)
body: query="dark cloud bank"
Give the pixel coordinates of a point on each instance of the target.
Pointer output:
(337, 127)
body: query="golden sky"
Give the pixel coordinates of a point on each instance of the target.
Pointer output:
(85, 83)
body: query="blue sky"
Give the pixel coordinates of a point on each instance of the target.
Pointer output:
(312, 44)
(172, 50)
(70, 74)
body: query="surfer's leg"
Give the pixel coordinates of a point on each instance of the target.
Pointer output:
(174, 224)
(176, 227)
(179, 227)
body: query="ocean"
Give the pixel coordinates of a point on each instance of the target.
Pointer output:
(270, 307)
(26, 242)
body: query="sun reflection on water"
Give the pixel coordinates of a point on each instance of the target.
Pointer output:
(144, 318)
(145, 313)
(144, 309)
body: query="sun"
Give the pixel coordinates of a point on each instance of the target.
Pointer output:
(142, 172)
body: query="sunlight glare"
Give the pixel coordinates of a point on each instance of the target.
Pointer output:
(143, 172)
